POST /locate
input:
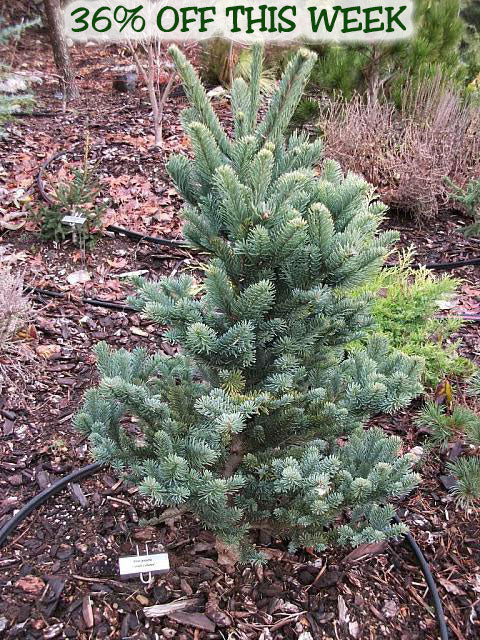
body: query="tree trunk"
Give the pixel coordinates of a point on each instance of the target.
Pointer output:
(158, 97)
(61, 54)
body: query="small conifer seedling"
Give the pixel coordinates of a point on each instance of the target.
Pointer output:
(259, 421)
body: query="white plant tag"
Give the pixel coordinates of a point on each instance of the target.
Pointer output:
(75, 219)
(152, 563)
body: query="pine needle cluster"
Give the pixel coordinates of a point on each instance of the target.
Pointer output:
(460, 425)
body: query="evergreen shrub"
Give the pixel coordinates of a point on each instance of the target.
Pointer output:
(457, 427)
(75, 197)
(259, 421)
(407, 310)
(380, 69)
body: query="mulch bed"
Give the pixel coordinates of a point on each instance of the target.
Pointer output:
(59, 571)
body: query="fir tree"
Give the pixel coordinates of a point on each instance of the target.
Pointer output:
(259, 421)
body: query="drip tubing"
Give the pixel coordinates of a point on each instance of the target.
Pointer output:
(424, 566)
(43, 496)
(35, 114)
(40, 173)
(90, 469)
(452, 265)
(135, 235)
(106, 304)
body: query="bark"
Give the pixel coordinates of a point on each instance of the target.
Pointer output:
(161, 108)
(235, 458)
(375, 82)
(61, 54)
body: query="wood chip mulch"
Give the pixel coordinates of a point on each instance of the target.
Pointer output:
(59, 570)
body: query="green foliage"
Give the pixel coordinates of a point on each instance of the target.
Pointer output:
(243, 69)
(15, 31)
(469, 199)
(471, 42)
(467, 472)
(308, 110)
(76, 197)
(434, 49)
(223, 61)
(339, 68)
(460, 422)
(259, 421)
(474, 384)
(458, 425)
(11, 103)
(471, 13)
(406, 306)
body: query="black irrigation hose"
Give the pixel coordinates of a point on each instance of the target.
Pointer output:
(43, 496)
(90, 469)
(437, 603)
(135, 235)
(447, 266)
(35, 114)
(106, 304)
(453, 265)
(39, 177)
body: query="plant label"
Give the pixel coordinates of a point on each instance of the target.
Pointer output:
(152, 563)
(73, 219)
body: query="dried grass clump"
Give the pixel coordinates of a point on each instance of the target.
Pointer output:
(15, 313)
(15, 307)
(408, 153)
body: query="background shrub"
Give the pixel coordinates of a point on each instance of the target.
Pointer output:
(406, 308)
(407, 153)
(377, 69)
(15, 313)
(15, 307)
(11, 103)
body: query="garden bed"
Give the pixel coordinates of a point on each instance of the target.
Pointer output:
(59, 570)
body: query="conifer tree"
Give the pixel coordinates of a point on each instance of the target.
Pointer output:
(471, 42)
(259, 421)
(385, 67)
